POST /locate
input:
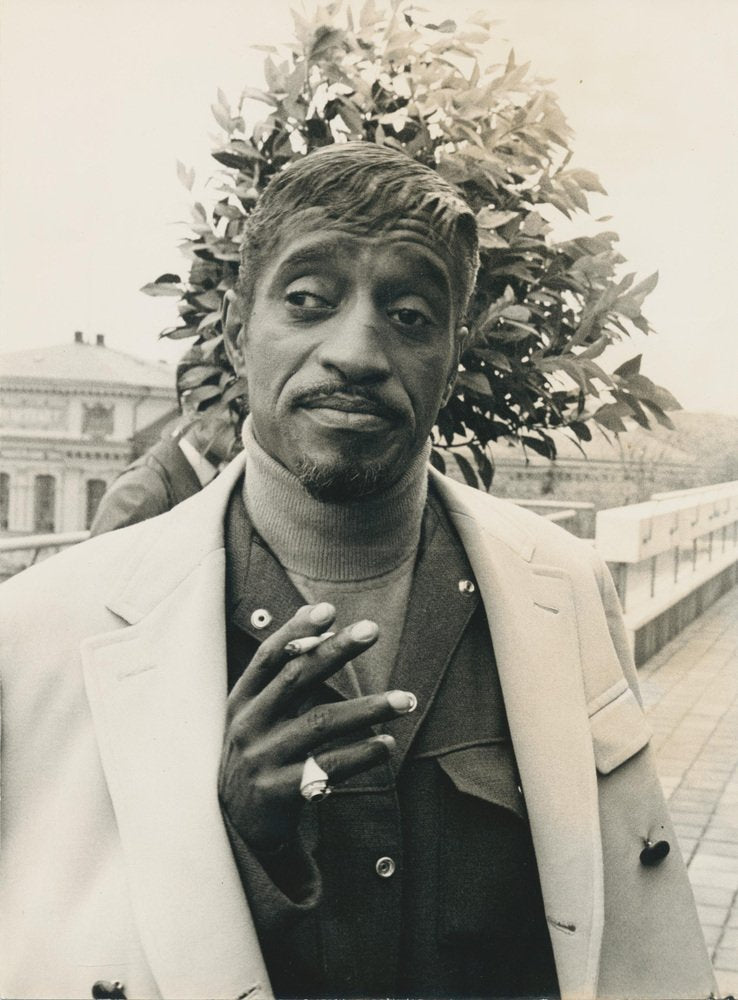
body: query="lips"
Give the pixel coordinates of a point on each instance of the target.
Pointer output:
(340, 412)
(347, 404)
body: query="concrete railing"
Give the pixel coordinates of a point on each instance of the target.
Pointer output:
(671, 558)
(577, 516)
(18, 552)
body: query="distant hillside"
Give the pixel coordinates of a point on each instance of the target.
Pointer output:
(706, 441)
(710, 438)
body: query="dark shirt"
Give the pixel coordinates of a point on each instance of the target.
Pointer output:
(460, 913)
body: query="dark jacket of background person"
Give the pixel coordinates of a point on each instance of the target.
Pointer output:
(154, 483)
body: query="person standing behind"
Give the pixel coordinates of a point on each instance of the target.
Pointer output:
(173, 469)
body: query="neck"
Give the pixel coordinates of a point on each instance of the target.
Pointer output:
(354, 540)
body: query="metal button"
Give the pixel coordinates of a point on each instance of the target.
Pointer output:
(654, 853)
(103, 990)
(261, 618)
(466, 587)
(385, 867)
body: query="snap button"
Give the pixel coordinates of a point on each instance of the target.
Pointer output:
(260, 618)
(385, 867)
(654, 853)
(103, 990)
(466, 587)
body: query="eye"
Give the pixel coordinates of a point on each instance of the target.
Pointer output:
(307, 300)
(410, 318)
(411, 313)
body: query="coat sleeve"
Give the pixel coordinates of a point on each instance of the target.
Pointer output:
(652, 943)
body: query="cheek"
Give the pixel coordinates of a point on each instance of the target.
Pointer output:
(428, 384)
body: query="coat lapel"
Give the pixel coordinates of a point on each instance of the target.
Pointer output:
(534, 630)
(157, 691)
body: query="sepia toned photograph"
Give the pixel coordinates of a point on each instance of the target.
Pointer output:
(368, 500)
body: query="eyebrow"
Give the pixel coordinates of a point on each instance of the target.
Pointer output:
(329, 251)
(307, 256)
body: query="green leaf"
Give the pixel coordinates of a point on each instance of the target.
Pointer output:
(489, 218)
(586, 180)
(202, 393)
(221, 117)
(581, 430)
(325, 40)
(446, 26)
(647, 391)
(631, 367)
(254, 94)
(437, 460)
(466, 469)
(520, 314)
(239, 387)
(475, 381)
(186, 177)
(661, 417)
(543, 446)
(196, 376)
(156, 290)
(609, 415)
(485, 469)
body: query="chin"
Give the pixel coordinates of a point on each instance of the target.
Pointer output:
(339, 482)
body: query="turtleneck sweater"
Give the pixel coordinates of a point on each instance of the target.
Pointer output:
(358, 555)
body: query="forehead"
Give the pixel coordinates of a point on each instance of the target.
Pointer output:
(407, 246)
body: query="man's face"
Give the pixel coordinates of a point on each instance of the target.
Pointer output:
(348, 351)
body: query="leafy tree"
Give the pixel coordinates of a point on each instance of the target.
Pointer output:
(544, 310)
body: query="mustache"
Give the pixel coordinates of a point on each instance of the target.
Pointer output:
(364, 398)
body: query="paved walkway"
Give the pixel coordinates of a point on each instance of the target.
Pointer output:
(690, 690)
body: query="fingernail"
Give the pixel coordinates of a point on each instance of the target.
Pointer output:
(402, 701)
(363, 631)
(385, 738)
(322, 613)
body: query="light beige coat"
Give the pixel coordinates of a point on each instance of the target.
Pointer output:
(114, 863)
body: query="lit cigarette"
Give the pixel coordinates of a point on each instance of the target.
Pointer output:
(299, 646)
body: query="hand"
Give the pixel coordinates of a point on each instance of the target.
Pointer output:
(266, 743)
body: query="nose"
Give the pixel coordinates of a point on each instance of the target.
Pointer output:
(354, 346)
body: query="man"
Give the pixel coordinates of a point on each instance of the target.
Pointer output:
(173, 469)
(336, 726)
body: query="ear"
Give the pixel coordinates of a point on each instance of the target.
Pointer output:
(232, 326)
(462, 335)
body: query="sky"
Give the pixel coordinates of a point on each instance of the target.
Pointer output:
(100, 98)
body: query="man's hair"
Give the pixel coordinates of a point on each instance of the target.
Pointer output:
(366, 189)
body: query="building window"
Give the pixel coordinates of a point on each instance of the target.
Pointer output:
(4, 501)
(95, 490)
(44, 497)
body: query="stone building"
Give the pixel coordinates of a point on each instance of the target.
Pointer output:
(69, 415)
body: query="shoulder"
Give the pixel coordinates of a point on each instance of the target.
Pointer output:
(75, 576)
(518, 528)
(151, 485)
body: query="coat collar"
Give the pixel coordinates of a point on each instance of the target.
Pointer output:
(168, 548)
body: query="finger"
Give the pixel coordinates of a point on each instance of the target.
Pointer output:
(295, 739)
(290, 685)
(310, 620)
(345, 762)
